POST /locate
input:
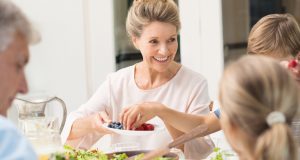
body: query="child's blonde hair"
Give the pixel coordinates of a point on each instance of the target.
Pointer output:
(275, 35)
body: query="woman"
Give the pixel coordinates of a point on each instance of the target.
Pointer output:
(153, 28)
(258, 101)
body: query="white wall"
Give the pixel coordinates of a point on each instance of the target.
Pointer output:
(202, 39)
(77, 48)
(101, 42)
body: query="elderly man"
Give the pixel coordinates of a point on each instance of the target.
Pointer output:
(15, 36)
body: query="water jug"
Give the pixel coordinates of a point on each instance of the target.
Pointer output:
(41, 123)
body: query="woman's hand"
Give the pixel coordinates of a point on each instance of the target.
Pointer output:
(98, 119)
(89, 124)
(134, 116)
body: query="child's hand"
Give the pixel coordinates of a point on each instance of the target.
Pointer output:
(294, 66)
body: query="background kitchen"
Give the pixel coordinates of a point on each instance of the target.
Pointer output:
(83, 41)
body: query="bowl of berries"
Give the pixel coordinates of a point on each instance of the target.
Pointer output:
(144, 129)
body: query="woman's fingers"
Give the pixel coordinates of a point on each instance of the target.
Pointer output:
(122, 114)
(129, 116)
(98, 119)
(125, 117)
(104, 117)
(141, 119)
(132, 117)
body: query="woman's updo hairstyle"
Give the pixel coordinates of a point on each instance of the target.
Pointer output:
(143, 12)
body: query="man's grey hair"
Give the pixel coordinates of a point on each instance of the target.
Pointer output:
(13, 21)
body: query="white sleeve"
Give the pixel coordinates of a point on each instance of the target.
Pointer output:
(100, 101)
(199, 105)
(199, 99)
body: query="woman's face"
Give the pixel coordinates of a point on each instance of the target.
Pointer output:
(234, 135)
(227, 128)
(158, 45)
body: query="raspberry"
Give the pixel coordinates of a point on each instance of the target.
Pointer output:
(140, 128)
(145, 127)
(149, 127)
(292, 64)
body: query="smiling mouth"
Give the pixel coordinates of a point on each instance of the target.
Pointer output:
(161, 59)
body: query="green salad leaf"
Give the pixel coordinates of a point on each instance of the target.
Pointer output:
(119, 156)
(220, 154)
(78, 154)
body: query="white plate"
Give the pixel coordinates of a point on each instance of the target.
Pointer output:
(157, 128)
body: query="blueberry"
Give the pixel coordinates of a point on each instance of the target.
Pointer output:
(116, 125)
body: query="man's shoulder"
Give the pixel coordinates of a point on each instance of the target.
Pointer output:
(8, 129)
(13, 145)
(8, 132)
(6, 124)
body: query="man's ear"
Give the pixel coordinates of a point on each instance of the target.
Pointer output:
(135, 42)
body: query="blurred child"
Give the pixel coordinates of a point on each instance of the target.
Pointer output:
(277, 36)
(258, 102)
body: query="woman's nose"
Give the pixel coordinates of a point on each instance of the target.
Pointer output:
(163, 50)
(23, 87)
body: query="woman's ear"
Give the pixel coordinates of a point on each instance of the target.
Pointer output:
(229, 124)
(233, 126)
(135, 42)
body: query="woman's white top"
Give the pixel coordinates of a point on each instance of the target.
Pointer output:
(186, 92)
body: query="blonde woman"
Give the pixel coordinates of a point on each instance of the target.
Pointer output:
(277, 36)
(259, 99)
(153, 27)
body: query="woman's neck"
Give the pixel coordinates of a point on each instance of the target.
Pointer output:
(247, 153)
(246, 156)
(148, 78)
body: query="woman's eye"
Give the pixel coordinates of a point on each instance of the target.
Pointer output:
(153, 41)
(172, 39)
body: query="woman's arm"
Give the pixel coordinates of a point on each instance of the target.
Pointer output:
(136, 115)
(89, 117)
